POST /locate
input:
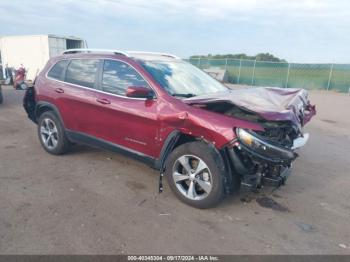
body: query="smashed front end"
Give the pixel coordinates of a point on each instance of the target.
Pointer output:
(263, 158)
(261, 161)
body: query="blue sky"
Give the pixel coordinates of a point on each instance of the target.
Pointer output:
(299, 30)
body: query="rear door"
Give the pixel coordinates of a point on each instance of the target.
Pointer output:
(55, 90)
(77, 100)
(129, 122)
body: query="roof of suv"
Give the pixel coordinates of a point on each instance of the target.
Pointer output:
(131, 54)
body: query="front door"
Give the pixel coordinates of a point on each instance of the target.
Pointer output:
(129, 122)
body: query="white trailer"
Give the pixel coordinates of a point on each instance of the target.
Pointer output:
(33, 51)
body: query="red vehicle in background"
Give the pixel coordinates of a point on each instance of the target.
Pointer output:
(206, 139)
(19, 78)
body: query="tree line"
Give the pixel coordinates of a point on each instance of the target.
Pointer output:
(258, 57)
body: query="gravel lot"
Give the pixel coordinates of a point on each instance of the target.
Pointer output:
(95, 202)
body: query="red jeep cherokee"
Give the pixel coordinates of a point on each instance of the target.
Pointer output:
(205, 138)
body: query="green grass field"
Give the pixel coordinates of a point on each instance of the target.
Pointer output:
(308, 76)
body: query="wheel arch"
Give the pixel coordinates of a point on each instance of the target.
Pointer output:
(42, 107)
(177, 138)
(173, 140)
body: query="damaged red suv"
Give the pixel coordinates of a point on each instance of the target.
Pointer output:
(206, 139)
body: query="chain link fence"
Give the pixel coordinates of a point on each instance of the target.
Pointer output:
(278, 74)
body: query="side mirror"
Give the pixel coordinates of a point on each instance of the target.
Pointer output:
(139, 92)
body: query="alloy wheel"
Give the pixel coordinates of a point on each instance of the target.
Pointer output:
(49, 133)
(192, 177)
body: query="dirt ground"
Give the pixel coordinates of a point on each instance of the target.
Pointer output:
(95, 202)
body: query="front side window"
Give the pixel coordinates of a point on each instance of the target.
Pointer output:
(57, 71)
(118, 76)
(82, 72)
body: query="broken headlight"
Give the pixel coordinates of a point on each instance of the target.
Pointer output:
(247, 138)
(263, 148)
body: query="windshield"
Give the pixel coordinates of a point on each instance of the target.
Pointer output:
(182, 79)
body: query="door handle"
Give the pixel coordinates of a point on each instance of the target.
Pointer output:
(59, 90)
(103, 101)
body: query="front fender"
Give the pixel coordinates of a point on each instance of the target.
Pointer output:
(214, 128)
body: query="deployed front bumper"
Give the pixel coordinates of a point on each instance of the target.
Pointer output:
(276, 181)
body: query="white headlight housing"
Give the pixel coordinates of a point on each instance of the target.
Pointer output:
(245, 137)
(261, 147)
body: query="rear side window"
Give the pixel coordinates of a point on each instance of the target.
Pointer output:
(82, 72)
(57, 71)
(118, 76)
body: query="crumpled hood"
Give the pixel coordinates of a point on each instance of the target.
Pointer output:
(273, 104)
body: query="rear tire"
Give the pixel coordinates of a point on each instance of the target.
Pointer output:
(51, 134)
(194, 174)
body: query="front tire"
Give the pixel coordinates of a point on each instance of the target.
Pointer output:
(195, 175)
(51, 134)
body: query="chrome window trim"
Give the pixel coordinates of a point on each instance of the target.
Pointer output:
(98, 90)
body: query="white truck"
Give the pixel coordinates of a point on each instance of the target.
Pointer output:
(33, 51)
